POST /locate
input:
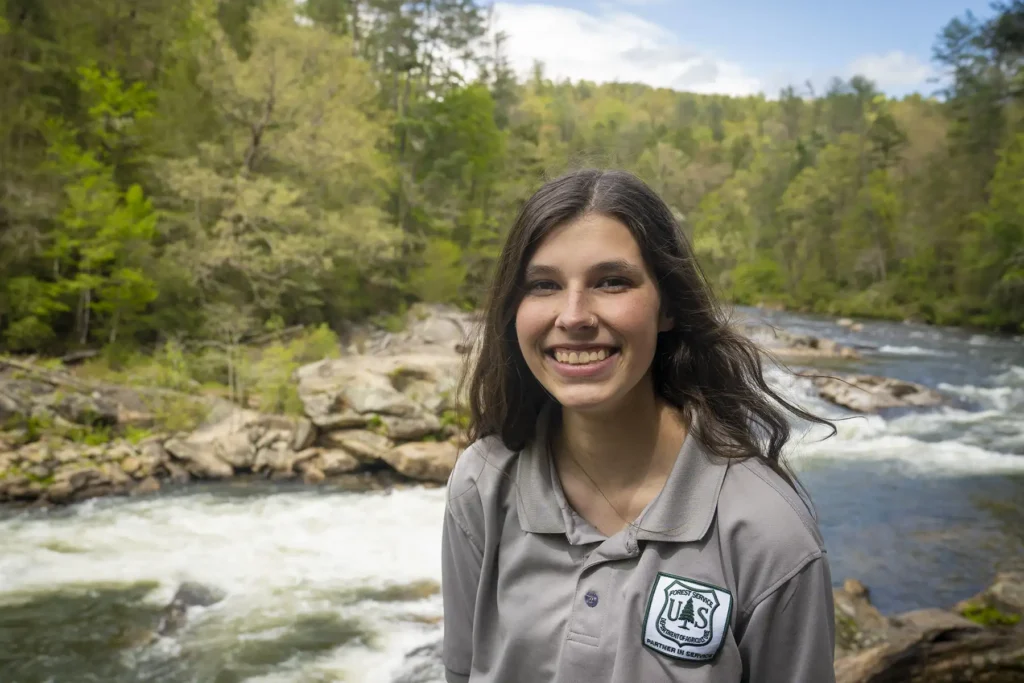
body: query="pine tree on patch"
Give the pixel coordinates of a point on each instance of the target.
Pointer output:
(687, 615)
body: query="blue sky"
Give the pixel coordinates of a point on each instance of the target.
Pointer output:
(732, 46)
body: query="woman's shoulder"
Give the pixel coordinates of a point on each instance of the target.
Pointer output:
(480, 474)
(766, 523)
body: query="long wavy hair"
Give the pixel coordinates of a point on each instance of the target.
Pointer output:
(702, 366)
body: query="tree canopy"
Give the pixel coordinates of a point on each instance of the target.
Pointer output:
(175, 169)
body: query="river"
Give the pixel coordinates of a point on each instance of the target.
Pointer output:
(323, 585)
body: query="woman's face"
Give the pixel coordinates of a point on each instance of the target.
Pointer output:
(589, 320)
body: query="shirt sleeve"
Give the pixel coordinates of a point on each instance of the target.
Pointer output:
(789, 636)
(461, 559)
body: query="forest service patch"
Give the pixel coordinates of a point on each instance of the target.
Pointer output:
(686, 619)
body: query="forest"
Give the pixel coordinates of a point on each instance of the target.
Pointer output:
(217, 170)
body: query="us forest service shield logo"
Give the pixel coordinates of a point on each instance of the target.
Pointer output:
(686, 619)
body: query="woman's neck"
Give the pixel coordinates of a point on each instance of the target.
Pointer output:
(625, 448)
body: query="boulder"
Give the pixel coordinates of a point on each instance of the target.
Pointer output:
(1002, 601)
(366, 446)
(86, 409)
(277, 459)
(410, 428)
(426, 461)
(198, 459)
(304, 435)
(422, 665)
(921, 646)
(188, 595)
(405, 392)
(329, 462)
(869, 394)
(146, 486)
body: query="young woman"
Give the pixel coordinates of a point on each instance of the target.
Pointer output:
(622, 514)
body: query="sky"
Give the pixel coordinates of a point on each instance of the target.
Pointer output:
(734, 47)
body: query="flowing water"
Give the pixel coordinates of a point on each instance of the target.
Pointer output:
(322, 585)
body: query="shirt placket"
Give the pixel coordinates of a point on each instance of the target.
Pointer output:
(593, 611)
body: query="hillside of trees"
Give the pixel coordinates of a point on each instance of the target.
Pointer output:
(213, 170)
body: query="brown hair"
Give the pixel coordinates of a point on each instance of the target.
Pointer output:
(702, 366)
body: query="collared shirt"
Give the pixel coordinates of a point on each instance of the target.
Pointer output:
(722, 579)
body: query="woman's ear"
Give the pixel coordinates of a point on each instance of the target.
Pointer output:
(666, 322)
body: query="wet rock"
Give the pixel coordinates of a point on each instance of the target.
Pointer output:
(428, 461)
(869, 394)
(312, 476)
(176, 474)
(146, 486)
(189, 594)
(422, 665)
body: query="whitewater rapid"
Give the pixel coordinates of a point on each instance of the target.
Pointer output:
(304, 568)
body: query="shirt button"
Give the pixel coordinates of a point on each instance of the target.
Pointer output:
(591, 599)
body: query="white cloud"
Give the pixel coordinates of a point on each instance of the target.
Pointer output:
(612, 46)
(894, 69)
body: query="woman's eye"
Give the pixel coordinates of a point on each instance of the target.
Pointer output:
(540, 286)
(614, 283)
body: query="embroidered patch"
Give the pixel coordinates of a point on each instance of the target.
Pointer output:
(686, 619)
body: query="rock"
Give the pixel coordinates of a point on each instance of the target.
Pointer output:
(82, 409)
(189, 594)
(922, 646)
(130, 465)
(235, 449)
(147, 485)
(367, 447)
(789, 346)
(422, 665)
(275, 459)
(844, 322)
(1002, 599)
(83, 478)
(407, 429)
(859, 625)
(176, 473)
(347, 392)
(428, 461)
(869, 394)
(312, 476)
(10, 409)
(304, 436)
(60, 492)
(330, 462)
(199, 462)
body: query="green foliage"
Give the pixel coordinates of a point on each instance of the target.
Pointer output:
(209, 172)
(987, 615)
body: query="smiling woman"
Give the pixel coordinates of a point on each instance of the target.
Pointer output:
(623, 512)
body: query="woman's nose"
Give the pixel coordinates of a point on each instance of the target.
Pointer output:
(575, 312)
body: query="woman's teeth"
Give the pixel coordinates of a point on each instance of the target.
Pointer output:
(580, 357)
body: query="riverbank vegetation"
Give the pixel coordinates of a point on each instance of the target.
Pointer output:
(204, 173)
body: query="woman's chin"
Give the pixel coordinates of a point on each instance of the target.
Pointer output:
(585, 401)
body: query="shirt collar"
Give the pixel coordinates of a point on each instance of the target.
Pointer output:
(682, 511)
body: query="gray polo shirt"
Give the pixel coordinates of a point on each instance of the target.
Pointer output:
(726, 580)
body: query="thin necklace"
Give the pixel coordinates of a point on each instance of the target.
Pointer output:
(593, 483)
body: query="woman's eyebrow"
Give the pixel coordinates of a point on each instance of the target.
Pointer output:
(618, 267)
(615, 266)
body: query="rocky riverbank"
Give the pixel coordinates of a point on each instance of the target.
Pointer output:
(382, 413)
